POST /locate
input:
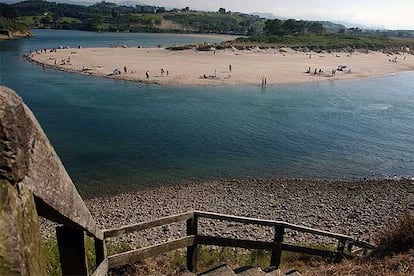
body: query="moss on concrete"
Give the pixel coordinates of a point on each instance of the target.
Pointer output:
(20, 247)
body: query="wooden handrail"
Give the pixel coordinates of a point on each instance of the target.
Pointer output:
(274, 223)
(193, 239)
(115, 232)
(102, 269)
(133, 256)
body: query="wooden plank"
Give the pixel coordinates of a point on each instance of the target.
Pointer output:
(306, 250)
(277, 250)
(305, 229)
(247, 244)
(115, 232)
(100, 251)
(71, 244)
(362, 244)
(102, 269)
(192, 230)
(134, 256)
(244, 220)
(340, 251)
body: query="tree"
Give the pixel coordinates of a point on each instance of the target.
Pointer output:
(8, 12)
(342, 31)
(317, 28)
(355, 31)
(274, 27)
(222, 10)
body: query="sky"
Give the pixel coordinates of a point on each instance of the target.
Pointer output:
(390, 14)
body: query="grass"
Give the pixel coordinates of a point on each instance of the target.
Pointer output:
(397, 265)
(210, 256)
(394, 253)
(12, 25)
(70, 20)
(51, 254)
(325, 42)
(396, 237)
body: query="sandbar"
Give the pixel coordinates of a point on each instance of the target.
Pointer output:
(209, 68)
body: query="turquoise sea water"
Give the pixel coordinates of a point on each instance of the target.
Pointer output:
(118, 135)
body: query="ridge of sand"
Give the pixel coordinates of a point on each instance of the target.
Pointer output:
(249, 67)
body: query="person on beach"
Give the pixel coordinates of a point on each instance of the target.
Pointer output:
(147, 74)
(162, 71)
(230, 68)
(264, 81)
(167, 73)
(125, 69)
(310, 56)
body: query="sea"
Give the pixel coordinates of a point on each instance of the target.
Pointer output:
(115, 136)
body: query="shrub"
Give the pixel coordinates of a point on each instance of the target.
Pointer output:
(396, 237)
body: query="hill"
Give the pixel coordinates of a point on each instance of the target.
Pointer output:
(9, 27)
(106, 16)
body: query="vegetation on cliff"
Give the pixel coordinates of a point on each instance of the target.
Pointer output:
(106, 16)
(9, 26)
(326, 42)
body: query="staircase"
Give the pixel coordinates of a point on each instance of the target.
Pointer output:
(225, 270)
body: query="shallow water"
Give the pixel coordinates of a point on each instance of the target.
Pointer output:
(114, 135)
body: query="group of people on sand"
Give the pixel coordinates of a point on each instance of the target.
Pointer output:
(147, 73)
(315, 72)
(205, 76)
(163, 71)
(342, 68)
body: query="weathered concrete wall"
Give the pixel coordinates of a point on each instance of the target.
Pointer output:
(31, 177)
(20, 249)
(27, 158)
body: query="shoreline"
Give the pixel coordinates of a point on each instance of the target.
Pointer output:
(221, 67)
(358, 208)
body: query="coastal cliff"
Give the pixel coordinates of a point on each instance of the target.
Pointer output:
(10, 29)
(12, 34)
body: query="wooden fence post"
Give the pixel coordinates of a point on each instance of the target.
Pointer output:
(100, 251)
(340, 251)
(192, 250)
(349, 247)
(277, 250)
(71, 243)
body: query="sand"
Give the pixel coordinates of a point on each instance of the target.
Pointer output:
(249, 67)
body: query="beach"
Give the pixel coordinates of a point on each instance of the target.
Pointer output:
(222, 67)
(358, 208)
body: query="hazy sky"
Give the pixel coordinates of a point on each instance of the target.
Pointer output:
(392, 14)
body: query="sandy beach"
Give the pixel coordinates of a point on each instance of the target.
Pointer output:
(248, 67)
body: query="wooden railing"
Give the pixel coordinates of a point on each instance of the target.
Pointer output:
(193, 239)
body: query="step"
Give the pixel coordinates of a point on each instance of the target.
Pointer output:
(221, 270)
